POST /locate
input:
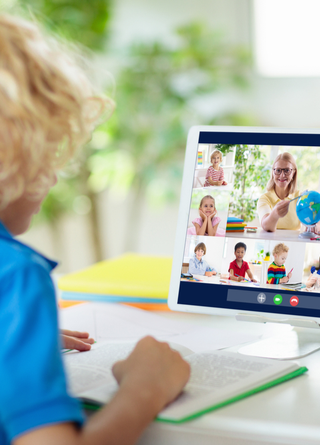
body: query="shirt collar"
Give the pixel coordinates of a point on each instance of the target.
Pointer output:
(276, 198)
(4, 233)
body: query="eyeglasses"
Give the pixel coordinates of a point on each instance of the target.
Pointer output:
(286, 171)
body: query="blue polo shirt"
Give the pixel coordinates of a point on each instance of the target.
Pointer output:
(197, 267)
(33, 390)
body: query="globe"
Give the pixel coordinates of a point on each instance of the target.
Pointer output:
(308, 208)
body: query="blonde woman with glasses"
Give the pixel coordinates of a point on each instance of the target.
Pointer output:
(274, 208)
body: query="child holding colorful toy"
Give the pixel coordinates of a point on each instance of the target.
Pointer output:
(277, 271)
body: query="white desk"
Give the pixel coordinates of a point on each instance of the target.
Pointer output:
(281, 235)
(217, 279)
(286, 414)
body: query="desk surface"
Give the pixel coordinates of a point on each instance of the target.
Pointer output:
(281, 235)
(217, 279)
(286, 414)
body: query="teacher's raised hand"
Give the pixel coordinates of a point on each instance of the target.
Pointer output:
(281, 208)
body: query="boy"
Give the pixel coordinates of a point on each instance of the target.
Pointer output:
(238, 268)
(199, 266)
(277, 270)
(47, 110)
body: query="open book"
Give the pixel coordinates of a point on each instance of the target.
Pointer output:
(217, 378)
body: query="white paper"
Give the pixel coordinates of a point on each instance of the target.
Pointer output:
(211, 339)
(106, 321)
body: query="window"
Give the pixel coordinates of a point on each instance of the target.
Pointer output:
(287, 37)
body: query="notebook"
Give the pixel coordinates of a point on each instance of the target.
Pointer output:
(130, 278)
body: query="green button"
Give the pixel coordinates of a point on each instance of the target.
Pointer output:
(277, 299)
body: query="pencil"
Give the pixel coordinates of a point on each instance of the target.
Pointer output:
(245, 279)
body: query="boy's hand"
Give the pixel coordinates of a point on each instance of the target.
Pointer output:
(153, 372)
(239, 279)
(224, 183)
(209, 274)
(289, 275)
(218, 182)
(284, 280)
(76, 340)
(254, 280)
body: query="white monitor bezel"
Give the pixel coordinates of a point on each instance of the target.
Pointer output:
(184, 208)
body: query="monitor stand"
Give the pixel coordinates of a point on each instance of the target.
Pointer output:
(302, 340)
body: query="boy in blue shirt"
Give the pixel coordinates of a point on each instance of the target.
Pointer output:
(47, 110)
(199, 266)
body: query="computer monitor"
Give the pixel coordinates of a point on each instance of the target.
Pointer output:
(248, 235)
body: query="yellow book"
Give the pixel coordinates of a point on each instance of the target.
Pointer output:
(130, 278)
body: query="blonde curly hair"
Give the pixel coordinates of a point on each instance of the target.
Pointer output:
(279, 248)
(47, 109)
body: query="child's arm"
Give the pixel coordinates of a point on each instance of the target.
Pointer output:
(272, 279)
(150, 378)
(269, 221)
(209, 174)
(210, 180)
(233, 277)
(286, 278)
(201, 230)
(222, 177)
(209, 270)
(250, 275)
(192, 269)
(212, 230)
(312, 280)
(209, 273)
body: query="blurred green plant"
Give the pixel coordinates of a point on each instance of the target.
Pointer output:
(82, 21)
(251, 174)
(162, 91)
(85, 23)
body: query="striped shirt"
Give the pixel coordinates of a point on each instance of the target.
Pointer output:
(215, 175)
(275, 273)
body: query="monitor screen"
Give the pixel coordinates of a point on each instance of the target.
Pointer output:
(252, 235)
